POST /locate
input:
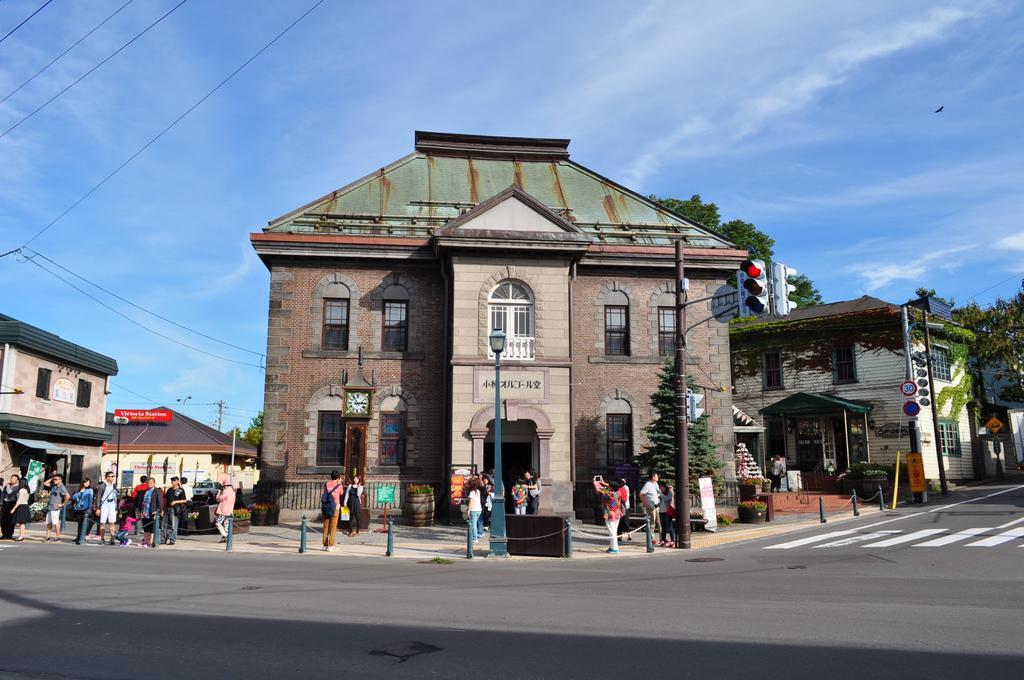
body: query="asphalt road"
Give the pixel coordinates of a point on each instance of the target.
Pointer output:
(807, 604)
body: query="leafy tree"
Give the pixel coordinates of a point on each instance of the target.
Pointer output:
(660, 452)
(930, 292)
(999, 344)
(254, 435)
(760, 245)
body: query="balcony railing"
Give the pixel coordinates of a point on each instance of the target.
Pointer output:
(518, 347)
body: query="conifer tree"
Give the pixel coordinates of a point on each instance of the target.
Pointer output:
(660, 453)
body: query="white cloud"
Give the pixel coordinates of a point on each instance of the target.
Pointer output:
(912, 266)
(1012, 242)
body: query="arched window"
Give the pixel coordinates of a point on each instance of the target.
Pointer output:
(511, 310)
(392, 431)
(616, 324)
(619, 432)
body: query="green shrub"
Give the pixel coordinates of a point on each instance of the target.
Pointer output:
(724, 520)
(862, 470)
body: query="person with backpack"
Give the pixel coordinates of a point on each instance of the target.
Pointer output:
(82, 505)
(330, 508)
(104, 506)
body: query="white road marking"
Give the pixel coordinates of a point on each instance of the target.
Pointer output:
(850, 540)
(923, 533)
(813, 539)
(998, 538)
(952, 538)
(979, 498)
(1010, 524)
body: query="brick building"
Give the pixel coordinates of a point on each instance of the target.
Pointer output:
(412, 266)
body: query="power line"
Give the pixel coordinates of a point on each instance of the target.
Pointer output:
(11, 32)
(143, 396)
(90, 71)
(61, 55)
(136, 323)
(166, 129)
(143, 309)
(1008, 278)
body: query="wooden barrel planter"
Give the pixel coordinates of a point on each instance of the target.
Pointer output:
(420, 509)
(748, 492)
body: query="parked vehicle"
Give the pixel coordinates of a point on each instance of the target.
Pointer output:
(204, 491)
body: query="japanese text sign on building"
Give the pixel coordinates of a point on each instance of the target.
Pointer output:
(145, 416)
(525, 385)
(915, 471)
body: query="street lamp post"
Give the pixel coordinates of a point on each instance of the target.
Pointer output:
(119, 421)
(499, 541)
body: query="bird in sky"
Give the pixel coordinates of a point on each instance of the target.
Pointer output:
(939, 110)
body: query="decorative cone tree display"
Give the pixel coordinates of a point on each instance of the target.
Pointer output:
(660, 453)
(746, 466)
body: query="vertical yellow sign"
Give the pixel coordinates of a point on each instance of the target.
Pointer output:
(915, 471)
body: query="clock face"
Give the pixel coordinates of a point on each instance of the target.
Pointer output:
(358, 402)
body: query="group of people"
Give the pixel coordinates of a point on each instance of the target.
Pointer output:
(523, 498)
(657, 500)
(103, 507)
(340, 499)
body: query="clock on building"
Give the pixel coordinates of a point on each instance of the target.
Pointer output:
(357, 403)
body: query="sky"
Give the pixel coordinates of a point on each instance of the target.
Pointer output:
(815, 121)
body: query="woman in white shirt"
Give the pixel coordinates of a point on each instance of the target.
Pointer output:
(474, 506)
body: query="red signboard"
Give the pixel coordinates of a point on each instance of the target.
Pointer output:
(141, 416)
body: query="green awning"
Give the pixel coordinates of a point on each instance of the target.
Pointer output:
(38, 444)
(803, 403)
(52, 430)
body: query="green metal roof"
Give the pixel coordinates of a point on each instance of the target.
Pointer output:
(808, 402)
(437, 182)
(25, 335)
(52, 429)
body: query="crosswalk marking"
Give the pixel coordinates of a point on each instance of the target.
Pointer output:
(813, 539)
(850, 540)
(952, 538)
(998, 538)
(923, 533)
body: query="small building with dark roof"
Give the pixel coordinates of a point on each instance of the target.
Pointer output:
(180, 447)
(825, 384)
(53, 395)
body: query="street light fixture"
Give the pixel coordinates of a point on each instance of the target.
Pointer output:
(119, 421)
(499, 541)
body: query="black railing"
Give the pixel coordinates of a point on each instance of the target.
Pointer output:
(306, 495)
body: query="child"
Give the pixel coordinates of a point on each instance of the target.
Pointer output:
(127, 526)
(519, 497)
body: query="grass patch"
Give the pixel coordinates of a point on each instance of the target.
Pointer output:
(438, 560)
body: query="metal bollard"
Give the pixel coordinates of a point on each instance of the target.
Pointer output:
(650, 536)
(821, 509)
(568, 536)
(469, 540)
(231, 533)
(156, 530)
(391, 537)
(856, 510)
(302, 535)
(881, 499)
(83, 530)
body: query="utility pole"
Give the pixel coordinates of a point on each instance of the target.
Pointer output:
(935, 407)
(682, 452)
(220, 414)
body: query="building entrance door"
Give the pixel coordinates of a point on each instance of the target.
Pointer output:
(355, 449)
(810, 443)
(516, 457)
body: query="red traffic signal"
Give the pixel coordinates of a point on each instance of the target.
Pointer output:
(751, 269)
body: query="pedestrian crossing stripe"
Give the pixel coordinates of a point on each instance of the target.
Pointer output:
(893, 537)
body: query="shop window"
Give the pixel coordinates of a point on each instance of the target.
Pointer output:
(395, 332)
(666, 331)
(392, 439)
(949, 438)
(616, 330)
(84, 394)
(620, 438)
(844, 364)
(773, 370)
(335, 333)
(330, 439)
(43, 383)
(940, 364)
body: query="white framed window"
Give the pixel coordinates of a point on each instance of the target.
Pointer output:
(510, 308)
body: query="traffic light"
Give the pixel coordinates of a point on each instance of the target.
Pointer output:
(752, 284)
(781, 289)
(693, 413)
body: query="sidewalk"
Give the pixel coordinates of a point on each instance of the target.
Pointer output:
(439, 541)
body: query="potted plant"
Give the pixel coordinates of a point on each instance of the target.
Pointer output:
(419, 500)
(241, 521)
(265, 514)
(749, 488)
(752, 512)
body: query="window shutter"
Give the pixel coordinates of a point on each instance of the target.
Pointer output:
(84, 393)
(835, 365)
(43, 383)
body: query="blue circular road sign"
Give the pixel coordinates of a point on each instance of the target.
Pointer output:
(911, 409)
